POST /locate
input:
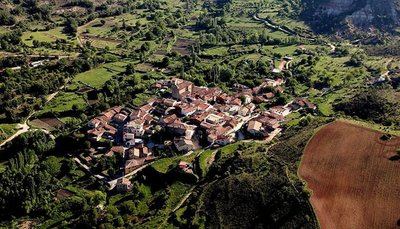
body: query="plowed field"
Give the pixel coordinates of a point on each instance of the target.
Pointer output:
(354, 183)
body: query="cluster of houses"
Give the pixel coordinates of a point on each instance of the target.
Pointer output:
(190, 117)
(267, 124)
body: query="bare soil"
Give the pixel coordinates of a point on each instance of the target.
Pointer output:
(354, 183)
(49, 124)
(62, 194)
(182, 46)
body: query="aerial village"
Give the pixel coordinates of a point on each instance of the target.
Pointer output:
(187, 118)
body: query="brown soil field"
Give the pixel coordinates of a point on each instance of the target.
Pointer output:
(62, 194)
(182, 46)
(53, 122)
(49, 124)
(144, 67)
(353, 182)
(84, 90)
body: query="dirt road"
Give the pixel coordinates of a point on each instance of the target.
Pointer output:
(23, 128)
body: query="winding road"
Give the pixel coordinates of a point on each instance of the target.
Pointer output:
(333, 48)
(269, 24)
(275, 26)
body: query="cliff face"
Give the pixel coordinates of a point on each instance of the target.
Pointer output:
(330, 15)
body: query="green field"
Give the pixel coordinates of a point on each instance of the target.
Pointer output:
(165, 164)
(64, 102)
(282, 50)
(98, 76)
(203, 161)
(98, 43)
(98, 29)
(6, 130)
(44, 36)
(244, 22)
(69, 119)
(216, 51)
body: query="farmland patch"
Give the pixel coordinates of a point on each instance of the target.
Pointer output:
(48, 124)
(44, 36)
(182, 46)
(353, 180)
(98, 76)
(64, 102)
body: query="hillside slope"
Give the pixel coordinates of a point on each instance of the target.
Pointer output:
(330, 15)
(254, 186)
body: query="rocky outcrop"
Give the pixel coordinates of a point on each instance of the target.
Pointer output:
(330, 15)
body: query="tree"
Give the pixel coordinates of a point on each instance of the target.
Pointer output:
(341, 51)
(87, 145)
(37, 141)
(6, 18)
(75, 108)
(71, 26)
(282, 99)
(381, 106)
(97, 198)
(145, 47)
(123, 24)
(52, 165)
(113, 210)
(356, 60)
(165, 62)
(119, 221)
(128, 207)
(130, 69)
(26, 185)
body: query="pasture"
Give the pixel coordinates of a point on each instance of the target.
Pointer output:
(7, 130)
(98, 76)
(64, 102)
(44, 36)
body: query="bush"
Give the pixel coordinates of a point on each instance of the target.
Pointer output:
(380, 106)
(6, 18)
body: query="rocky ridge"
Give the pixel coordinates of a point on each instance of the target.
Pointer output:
(330, 15)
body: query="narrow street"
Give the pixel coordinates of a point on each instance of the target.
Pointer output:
(112, 183)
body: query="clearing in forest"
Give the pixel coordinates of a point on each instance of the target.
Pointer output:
(353, 173)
